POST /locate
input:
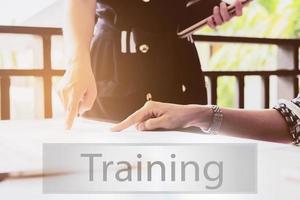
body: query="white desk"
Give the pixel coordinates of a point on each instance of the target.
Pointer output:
(277, 164)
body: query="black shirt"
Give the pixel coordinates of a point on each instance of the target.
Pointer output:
(168, 70)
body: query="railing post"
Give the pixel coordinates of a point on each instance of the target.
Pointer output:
(47, 78)
(5, 98)
(296, 68)
(241, 87)
(213, 90)
(266, 83)
(287, 59)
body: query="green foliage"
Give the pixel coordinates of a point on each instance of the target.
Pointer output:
(295, 7)
(262, 18)
(270, 5)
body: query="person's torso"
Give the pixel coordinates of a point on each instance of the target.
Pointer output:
(137, 56)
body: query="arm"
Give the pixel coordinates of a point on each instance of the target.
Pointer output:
(266, 125)
(78, 27)
(77, 89)
(262, 125)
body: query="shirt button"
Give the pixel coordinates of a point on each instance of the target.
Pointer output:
(149, 97)
(183, 87)
(144, 48)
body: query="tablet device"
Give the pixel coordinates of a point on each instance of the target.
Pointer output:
(197, 14)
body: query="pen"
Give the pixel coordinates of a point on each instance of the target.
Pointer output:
(28, 175)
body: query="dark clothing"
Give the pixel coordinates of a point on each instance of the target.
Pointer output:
(151, 62)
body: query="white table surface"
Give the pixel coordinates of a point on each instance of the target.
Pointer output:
(278, 165)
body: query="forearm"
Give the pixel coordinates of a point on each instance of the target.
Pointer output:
(266, 125)
(78, 27)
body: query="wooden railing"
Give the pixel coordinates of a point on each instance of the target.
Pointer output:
(288, 66)
(47, 73)
(289, 49)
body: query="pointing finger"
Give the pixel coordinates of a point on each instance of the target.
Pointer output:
(72, 112)
(135, 118)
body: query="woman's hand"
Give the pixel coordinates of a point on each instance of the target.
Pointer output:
(155, 115)
(222, 15)
(77, 90)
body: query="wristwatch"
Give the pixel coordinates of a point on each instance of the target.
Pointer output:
(216, 122)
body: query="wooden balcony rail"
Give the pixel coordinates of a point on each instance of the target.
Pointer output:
(288, 59)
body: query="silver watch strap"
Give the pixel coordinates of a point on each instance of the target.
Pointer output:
(216, 122)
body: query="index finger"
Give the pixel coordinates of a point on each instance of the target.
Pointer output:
(72, 112)
(137, 117)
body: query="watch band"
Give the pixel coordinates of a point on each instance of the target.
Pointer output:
(216, 122)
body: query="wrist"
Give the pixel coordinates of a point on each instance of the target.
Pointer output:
(79, 62)
(202, 116)
(79, 58)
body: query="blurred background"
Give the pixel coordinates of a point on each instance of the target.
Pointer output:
(262, 19)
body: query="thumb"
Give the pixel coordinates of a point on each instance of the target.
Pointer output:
(87, 102)
(152, 124)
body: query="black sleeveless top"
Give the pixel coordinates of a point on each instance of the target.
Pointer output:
(156, 65)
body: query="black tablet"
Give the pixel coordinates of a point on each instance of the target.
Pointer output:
(197, 13)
